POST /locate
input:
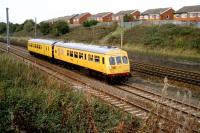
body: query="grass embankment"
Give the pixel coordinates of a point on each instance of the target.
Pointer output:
(31, 101)
(169, 39)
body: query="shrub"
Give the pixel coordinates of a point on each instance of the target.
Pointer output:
(128, 18)
(90, 23)
(60, 28)
(2, 28)
(45, 28)
(28, 25)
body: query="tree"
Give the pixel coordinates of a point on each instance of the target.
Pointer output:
(19, 27)
(60, 28)
(90, 23)
(28, 25)
(2, 27)
(128, 18)
(45, 28)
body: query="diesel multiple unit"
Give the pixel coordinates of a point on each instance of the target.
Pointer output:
(107, 60)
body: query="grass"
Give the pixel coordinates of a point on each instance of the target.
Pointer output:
(167, 40)
(31, 101)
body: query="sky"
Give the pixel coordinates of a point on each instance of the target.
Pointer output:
(20, 10)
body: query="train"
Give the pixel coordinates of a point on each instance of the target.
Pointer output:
(109, 61)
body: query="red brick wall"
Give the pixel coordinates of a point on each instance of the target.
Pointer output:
(136, 14)
(107, 18)
(84, 18)
(168, 15)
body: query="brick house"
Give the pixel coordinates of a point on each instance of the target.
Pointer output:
(120, 14)
(102, 17)
(68, 19)
(79, 19)
(188, 13)
(158, 14)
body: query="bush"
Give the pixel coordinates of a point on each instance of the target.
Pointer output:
(2, 28)
(128, 18)
(90, 23)
(45, 28)
(28, 25)
(60, 28)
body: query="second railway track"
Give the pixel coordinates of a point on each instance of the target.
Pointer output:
(171, 73)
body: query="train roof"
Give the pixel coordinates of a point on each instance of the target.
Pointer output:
(88, 47)
(44, 41)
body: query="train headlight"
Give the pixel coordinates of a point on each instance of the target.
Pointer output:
(110, 67)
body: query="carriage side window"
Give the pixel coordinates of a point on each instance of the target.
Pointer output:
(67, 52)
(76, 54)
(103, 61)
(112, 60)
(97, 59)
(125, 60)
(85, 57)
(90, 57)
(80, 55)
(71, 53)
(118, 59)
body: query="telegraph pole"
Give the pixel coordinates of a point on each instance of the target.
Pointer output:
(35, 27)
(8, 31)
(122, 22)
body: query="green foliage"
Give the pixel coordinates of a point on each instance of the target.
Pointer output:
(19, 27)
(164, 36)
(128, 18)
(88, 35)
(34, 102)
(2, 28)
(45, 28)
(28, 25)
(90, 23)
(60, 28)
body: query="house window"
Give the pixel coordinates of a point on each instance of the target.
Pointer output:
(167, 17)
(193, 15)
(76, 54)
(146, 17)
(71, 53)
(184, 15)
(177, 15)
(80, 55)
(97, 59)
(90, 57)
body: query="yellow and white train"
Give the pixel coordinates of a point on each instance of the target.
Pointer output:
(106, 60)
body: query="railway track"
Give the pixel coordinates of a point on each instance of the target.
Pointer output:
(120, 102)
(151, 97)
(171, 73)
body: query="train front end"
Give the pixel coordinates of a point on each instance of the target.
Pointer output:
(118, 67)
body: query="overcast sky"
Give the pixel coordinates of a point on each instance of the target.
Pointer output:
(21, 10)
